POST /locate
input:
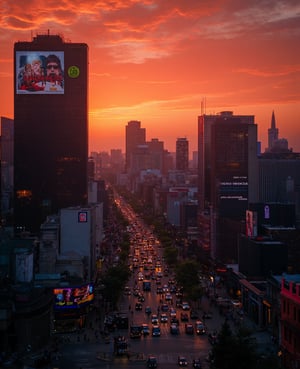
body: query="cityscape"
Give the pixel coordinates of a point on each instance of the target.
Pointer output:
(171, 247)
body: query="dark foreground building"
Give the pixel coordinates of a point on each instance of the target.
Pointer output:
(51, 128)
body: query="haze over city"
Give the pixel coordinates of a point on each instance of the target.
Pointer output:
(156, 62)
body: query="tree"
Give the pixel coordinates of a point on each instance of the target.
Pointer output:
(170, 255)
(187, 276)
(114, 281)
(222, 352)
(234, 351)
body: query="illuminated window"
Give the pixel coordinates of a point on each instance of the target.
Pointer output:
(24, 194)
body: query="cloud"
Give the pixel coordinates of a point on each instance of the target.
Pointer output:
(134, 31)
(283, 71)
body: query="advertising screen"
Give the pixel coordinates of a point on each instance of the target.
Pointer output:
(39, 72)
(73, 297)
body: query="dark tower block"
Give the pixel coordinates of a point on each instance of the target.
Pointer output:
(51, 128)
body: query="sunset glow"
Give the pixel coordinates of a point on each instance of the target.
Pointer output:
(156, 61)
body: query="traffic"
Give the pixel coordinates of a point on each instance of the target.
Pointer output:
(155, 304)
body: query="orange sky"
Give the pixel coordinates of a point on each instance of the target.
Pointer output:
(155, 61)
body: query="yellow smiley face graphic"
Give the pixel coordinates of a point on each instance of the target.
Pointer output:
(73, 71)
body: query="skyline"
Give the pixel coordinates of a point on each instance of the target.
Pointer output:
(156, 63)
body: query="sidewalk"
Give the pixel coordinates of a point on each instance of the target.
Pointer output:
(263, 338)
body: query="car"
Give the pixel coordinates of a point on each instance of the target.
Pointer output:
(174, 320)
(148, 310)
(155, 331)
(194, 314)
(136, 291)
(163, 318)
(145, 329)
(182, 361)
(141, 297)
(197, 364)
(189, 329)
(165, 288)
(135, 331)
(138, 306)
(127, 290)
(168, 297)
(184, 317)
(174, 329)
(200, 327)
(173, 289)
(159, 290)
(152, 362)
(172, 313)
(185, 305)
(178, 303)
(164, 307)
(207, 315)
(213, 337)
(154, 319)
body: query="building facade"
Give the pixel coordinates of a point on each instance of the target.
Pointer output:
(182, 154)
(290, 322)
(134, 136)
(51, 128)
(227, 177)
(7, 168)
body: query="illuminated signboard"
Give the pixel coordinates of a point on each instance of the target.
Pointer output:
(82, 217)
(73, 297)
(39, 72)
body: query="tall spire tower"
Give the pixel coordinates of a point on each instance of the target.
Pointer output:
(272, 133)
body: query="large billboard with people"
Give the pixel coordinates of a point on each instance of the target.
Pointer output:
(73, 297)
(39, 72)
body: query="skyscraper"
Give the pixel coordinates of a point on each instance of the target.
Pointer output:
(228, 175)
(182, 154)
(276, 144)
(135, 136)
(51, 127)
(272, 133)
(7, 165)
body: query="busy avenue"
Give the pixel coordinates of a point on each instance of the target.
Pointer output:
(154, 324)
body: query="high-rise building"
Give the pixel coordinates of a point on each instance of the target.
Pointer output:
(7, 168)
(182, 154)
(228, 176)
(51, 128)
(272, 133)
(135, 136)
(276, 144)
(156, 152)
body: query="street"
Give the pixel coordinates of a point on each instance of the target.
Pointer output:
(89, 349)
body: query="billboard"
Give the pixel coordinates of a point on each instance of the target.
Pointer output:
(251, 223)
(39, 72)
(73, 297)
